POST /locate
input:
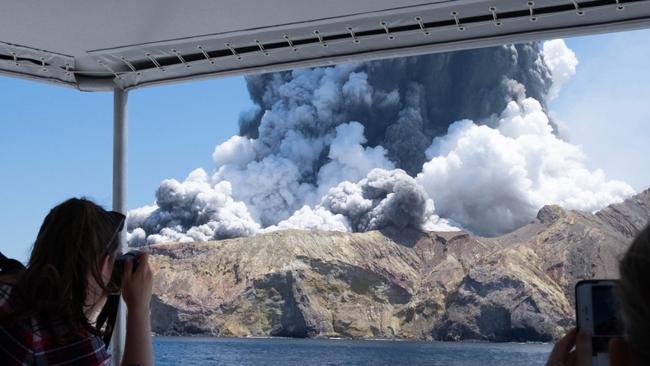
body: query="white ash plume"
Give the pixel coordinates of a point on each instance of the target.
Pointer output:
(337, 148)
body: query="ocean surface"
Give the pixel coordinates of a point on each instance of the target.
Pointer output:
(310, 352)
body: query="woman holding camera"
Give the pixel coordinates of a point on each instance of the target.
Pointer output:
(47, 311)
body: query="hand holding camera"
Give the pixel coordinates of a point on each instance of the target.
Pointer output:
(133, 278)
(137, 281)
(136, 284)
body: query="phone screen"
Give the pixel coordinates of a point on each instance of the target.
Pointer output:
(606, 310)
(599, 313)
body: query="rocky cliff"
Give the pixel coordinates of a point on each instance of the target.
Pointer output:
(393, 284)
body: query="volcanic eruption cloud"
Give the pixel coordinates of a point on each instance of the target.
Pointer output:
(444, 141)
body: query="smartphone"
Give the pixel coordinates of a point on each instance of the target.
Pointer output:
(598, 312)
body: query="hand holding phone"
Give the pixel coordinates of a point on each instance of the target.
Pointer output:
(598, 314)
(564, 354)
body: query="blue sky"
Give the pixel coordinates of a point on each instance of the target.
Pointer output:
(55, 142)
(606, 105)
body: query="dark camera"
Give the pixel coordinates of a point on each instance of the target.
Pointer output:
(115, 283)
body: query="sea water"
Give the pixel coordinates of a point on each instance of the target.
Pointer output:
(331, 352)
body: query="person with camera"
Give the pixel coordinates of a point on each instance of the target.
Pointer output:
(575, 348)
(48, 310)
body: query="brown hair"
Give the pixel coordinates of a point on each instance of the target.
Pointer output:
(71, 243)
(635, 295)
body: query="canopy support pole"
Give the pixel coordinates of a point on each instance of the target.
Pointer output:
(120, 138)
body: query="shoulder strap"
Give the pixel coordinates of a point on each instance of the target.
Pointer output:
(107, 317)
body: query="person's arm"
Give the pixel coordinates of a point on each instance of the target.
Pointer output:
(136, 290)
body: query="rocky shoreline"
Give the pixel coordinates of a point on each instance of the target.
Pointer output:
(392, 284)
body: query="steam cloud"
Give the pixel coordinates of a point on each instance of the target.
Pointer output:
(494, 180)
(561, 62)
(434, 142)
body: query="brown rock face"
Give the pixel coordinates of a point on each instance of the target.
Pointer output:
(628, 217)
(392, 284)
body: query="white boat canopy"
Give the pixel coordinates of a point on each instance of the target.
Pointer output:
(97, 45)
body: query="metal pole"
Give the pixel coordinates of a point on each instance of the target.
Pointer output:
(120, 136)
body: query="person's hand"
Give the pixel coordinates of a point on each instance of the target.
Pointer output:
(136, 290)
(137, 286)
(563, 355)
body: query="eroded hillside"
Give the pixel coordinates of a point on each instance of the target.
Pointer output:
(407, 284)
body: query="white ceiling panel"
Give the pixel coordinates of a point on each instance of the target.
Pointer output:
(100, 45)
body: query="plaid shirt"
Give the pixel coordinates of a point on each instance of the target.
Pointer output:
(25, 343)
